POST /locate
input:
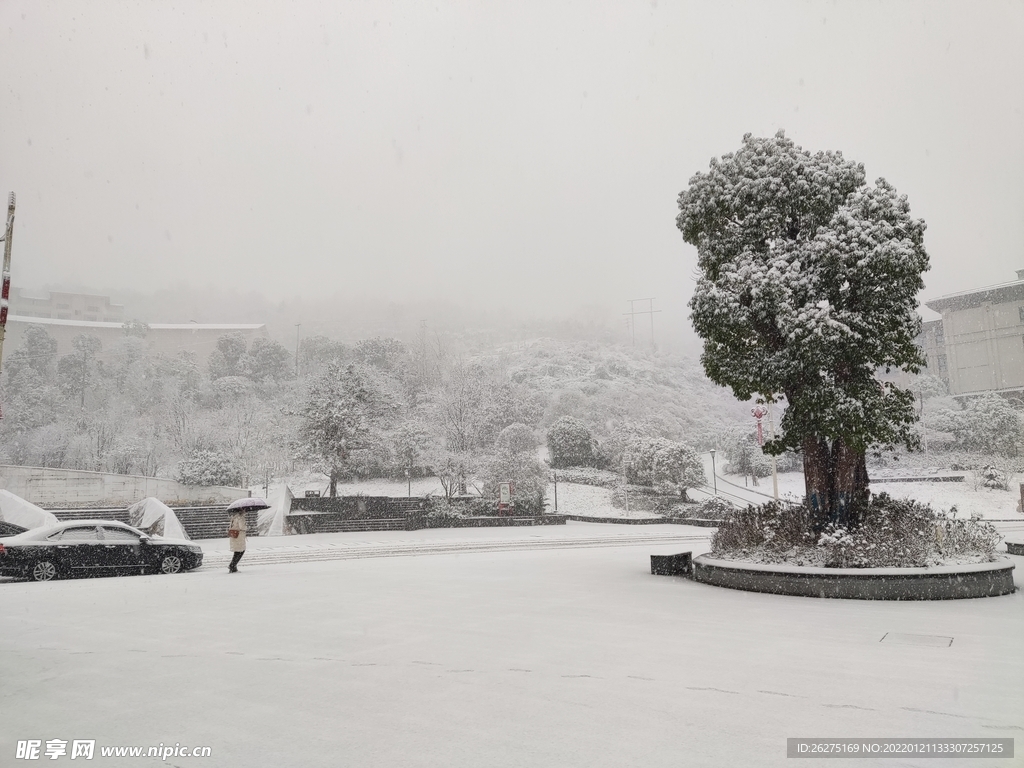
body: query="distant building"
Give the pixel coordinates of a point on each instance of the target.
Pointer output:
(933, 342)
(68, 306)
(67, 315)
(161, 338)
(978, 345)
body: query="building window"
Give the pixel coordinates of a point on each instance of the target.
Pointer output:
(1021, 311)
(92, 309)
(942, 363)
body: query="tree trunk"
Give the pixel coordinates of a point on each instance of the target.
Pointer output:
(851, 483)
(836, 480)
(334, 484)
(818, 480)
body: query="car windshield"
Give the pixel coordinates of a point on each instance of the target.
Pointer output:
(82, 533)
(119, 534)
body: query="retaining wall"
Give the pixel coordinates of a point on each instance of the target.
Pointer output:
(57, 488)
(937, 583)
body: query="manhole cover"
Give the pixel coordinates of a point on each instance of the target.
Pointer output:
(936, 641)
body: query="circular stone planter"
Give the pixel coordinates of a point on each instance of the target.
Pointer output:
(1015, 547)
(944, 582)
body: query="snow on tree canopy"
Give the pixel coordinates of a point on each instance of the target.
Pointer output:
(808, 284)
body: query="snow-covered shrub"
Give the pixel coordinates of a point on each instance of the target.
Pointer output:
(515, 438)
(761, 466)
(443, 513)
(893, 533)
(209, 468)
(664, 464)
(713, 508)
(987, 422)
(993, 478)
(571, 444)
(602, 478)
(775, 527)
(528, 476)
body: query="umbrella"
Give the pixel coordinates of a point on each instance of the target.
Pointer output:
(246, 504)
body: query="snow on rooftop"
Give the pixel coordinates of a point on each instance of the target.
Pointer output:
(151, 326)
(1019, 283)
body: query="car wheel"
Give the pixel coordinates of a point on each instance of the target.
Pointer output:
(170, 564)
(44, 570)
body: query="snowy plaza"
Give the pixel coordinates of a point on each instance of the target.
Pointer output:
(491, 647)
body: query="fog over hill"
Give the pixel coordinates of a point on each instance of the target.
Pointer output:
(349, 316)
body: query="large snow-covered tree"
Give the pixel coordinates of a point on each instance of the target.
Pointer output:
(807, 284)
(346, 410)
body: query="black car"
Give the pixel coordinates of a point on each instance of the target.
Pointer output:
(10, 529)
(93, 548)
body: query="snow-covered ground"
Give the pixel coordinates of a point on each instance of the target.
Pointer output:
(521, 655)
(969, 497)
(315, 481)
(573, 498)
(588, 500)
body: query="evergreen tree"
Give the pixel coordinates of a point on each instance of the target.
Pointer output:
(570, 444)
(808, 283)
(345, 411)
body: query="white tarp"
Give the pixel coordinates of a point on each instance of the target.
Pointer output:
(156, 518)
(14, 509)
(271, 520)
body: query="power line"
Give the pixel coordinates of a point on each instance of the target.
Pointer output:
(633, 312)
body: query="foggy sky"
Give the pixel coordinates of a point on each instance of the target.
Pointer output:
(525, 153)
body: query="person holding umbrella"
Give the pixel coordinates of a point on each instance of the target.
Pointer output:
(237, 527)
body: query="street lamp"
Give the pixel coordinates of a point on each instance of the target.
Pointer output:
(714, 477)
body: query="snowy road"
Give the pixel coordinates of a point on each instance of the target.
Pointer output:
(310, 552)
(516, 647)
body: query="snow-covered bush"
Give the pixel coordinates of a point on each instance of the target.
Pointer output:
(570, 444)
(775, 527)
(528, 476)
(894, 533)
(993, 478)
(602, 478)
(713, 508)
(664, 464)
(209, 468)
(987, 423)
(516, 438)
(441, 511)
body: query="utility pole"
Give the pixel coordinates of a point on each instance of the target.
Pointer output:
(5, 292)
(924, 430)
(633, 312)
(297, 326)
(423, 350)
(775, 459)
(85, 369)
